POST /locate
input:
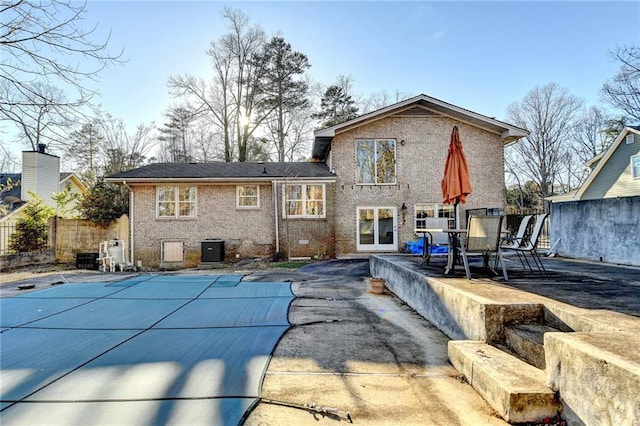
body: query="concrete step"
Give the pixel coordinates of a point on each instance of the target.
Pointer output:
(527, 341)
(516, 390)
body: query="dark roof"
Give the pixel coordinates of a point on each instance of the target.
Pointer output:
(224, 171)
(16, 190)
(420, 104)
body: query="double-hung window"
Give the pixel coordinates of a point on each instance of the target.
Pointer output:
(424, 212)
(248, 197)
(376, 161)
(304, 200)
(175, 201)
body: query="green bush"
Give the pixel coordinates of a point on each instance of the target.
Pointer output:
(105, 203)
(32, 228)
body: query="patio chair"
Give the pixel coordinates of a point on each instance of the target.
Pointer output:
(529, 245)
(516, 241)
(483, 236)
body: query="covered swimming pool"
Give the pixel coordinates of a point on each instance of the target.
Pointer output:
(152, 349)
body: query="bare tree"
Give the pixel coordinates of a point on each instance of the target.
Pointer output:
(381, 99)
(590, 135)
(8, 162)
(47, 59)
(548, 113)
(41, 115)
(623, 90)
(231, 98)
(124, 150)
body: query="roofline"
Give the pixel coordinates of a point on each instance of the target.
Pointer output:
(608, 153)
(510, 133)
(235, 180)
(77, 180)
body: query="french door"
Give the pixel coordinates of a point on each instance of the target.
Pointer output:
(377, 229)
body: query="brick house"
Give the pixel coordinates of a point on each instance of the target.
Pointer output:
(257, 209)
(372, 180)
(389, 165)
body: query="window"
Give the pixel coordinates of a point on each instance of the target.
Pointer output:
(426, 211)
(376, 161)
(248, 197)
(629, 139)
(304, 201)
(176, 201)
(635, 166)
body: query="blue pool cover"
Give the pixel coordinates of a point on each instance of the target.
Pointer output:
(153, 349)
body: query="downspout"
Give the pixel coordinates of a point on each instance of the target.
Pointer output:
(274, 189)
(124, 182)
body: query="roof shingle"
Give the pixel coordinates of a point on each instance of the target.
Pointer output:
(225, 171)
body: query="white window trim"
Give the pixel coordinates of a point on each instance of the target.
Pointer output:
(395, 162)
(238, 206)
(176, 201)
(633, 175)
(435, 208)
(629, 139)
(304, 214)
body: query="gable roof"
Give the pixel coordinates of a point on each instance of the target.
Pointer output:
(223, 172)
(70, 176)
(421, 104)
(16, 191)
(603, 161)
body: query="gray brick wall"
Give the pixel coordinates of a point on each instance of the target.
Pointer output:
(419, 168)
(247, 232)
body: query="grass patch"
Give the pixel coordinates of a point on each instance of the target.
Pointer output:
(293, 264)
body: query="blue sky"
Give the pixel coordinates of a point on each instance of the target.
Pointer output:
(478, 55)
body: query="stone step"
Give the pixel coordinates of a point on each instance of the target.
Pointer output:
(516, 390)
(527, 341)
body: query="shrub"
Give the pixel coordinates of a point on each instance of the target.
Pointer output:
(32, 228)
(105, 203)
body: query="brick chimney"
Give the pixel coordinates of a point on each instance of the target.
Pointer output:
(40, 174)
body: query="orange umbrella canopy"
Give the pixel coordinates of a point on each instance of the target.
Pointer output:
(455, 184)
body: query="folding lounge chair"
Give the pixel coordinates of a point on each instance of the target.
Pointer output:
(529, 244)
(510, 242)
(483, 236)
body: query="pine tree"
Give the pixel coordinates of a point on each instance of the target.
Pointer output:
(336, 106)
(32, 228)
(283, 93)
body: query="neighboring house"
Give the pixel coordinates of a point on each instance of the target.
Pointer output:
(41, 176)
(614, 173)
(256, 209)
(390, 164)
(374, 179)
(606, 208)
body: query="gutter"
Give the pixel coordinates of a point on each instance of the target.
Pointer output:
(124, 182)
(274, 189)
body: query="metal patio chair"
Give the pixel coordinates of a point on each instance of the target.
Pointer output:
(483, 236)
(516, 241)
(529, 245)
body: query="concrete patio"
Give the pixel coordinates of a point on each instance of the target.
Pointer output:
(536, 346)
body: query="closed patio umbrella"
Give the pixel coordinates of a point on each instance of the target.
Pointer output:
(455, 184)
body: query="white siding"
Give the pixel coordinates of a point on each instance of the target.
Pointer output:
(40, 174)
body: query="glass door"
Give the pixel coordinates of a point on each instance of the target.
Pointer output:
(377, 229)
